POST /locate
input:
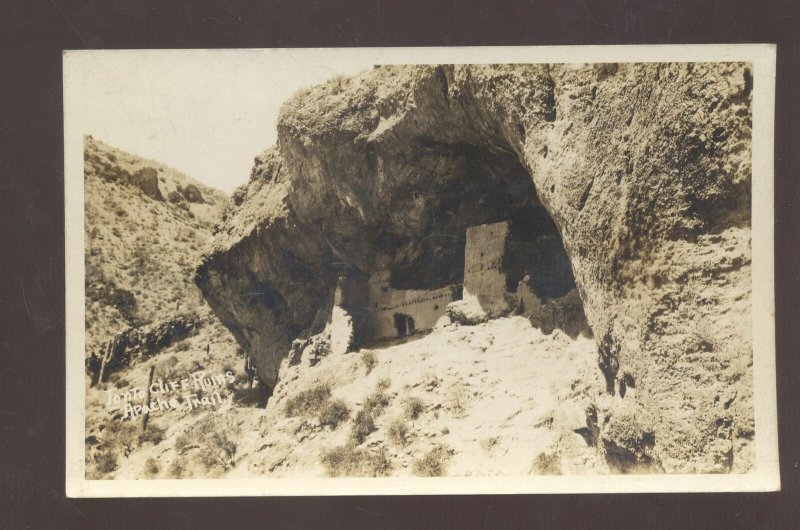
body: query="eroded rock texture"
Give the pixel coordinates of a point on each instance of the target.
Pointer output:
(642, 170)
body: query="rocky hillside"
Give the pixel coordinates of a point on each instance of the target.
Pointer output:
(146, 226)
(644, 169)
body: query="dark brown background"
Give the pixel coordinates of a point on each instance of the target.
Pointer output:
(33, 33)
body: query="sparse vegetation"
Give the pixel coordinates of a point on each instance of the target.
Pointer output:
(350, 461)
(177, 469)
(336, 84)
(369, 359)
(106, 461)
(151, 468)
(308, 402)
(376, 402)
(334, 413)
(458, 402)
(182, 443)
(433, 463)
(487, 444)
(398, 432)
(217, 438)
(413, 407)
(168, 369)
(547, 464)
(363, 426)
(154, 434)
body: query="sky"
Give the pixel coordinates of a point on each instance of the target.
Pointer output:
(206, 113)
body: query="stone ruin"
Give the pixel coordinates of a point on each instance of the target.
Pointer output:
(498, 268)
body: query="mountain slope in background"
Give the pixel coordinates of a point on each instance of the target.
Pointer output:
(145, 226)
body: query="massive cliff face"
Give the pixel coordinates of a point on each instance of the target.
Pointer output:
(641, 170)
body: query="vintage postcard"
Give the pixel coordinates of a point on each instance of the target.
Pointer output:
(420, 270)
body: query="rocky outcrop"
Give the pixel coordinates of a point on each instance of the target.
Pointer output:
(641, 170)
(192, 194)
(139, 343)
(146, 179)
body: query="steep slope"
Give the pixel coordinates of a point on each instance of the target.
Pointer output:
(644, 170)
(146, 225)
(499, 398)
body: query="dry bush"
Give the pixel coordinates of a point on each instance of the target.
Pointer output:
(433, 463)
(168, 369)
(334, 413)
(154, 434)
(369, 359)
(376, 402)
(413, 407)
(547, 464)
(177, 469)
(217, 439)
(151, 467)
(363, 426)
(123, 434)
(308, 402)
(487, 444)
(398, 432)
(182, 443)
(349, 461)
(106, 461)
(459, 402)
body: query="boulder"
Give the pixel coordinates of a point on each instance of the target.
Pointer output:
(192, 194)
(467, 312)
(146, 179)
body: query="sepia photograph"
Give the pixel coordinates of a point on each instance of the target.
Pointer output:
(431, 270)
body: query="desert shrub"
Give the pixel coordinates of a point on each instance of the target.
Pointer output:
(384, 384)
(398, 432)
(123, 434)
(413, 407)
(217, 439)
(183, 346)
(547, 464)
(337, 84)
(363, 426)
(177, 469)
(106, 461)
(369, 359)
(154, 434)
(433, 463)
(308, 401)
(376, 402)
(459, 402)
(151, 467)
(182, 443)
(334, 413)
(168, 369)
(349, 461)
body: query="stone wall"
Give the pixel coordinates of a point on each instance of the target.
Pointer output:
(484, 256)
(374, 305)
